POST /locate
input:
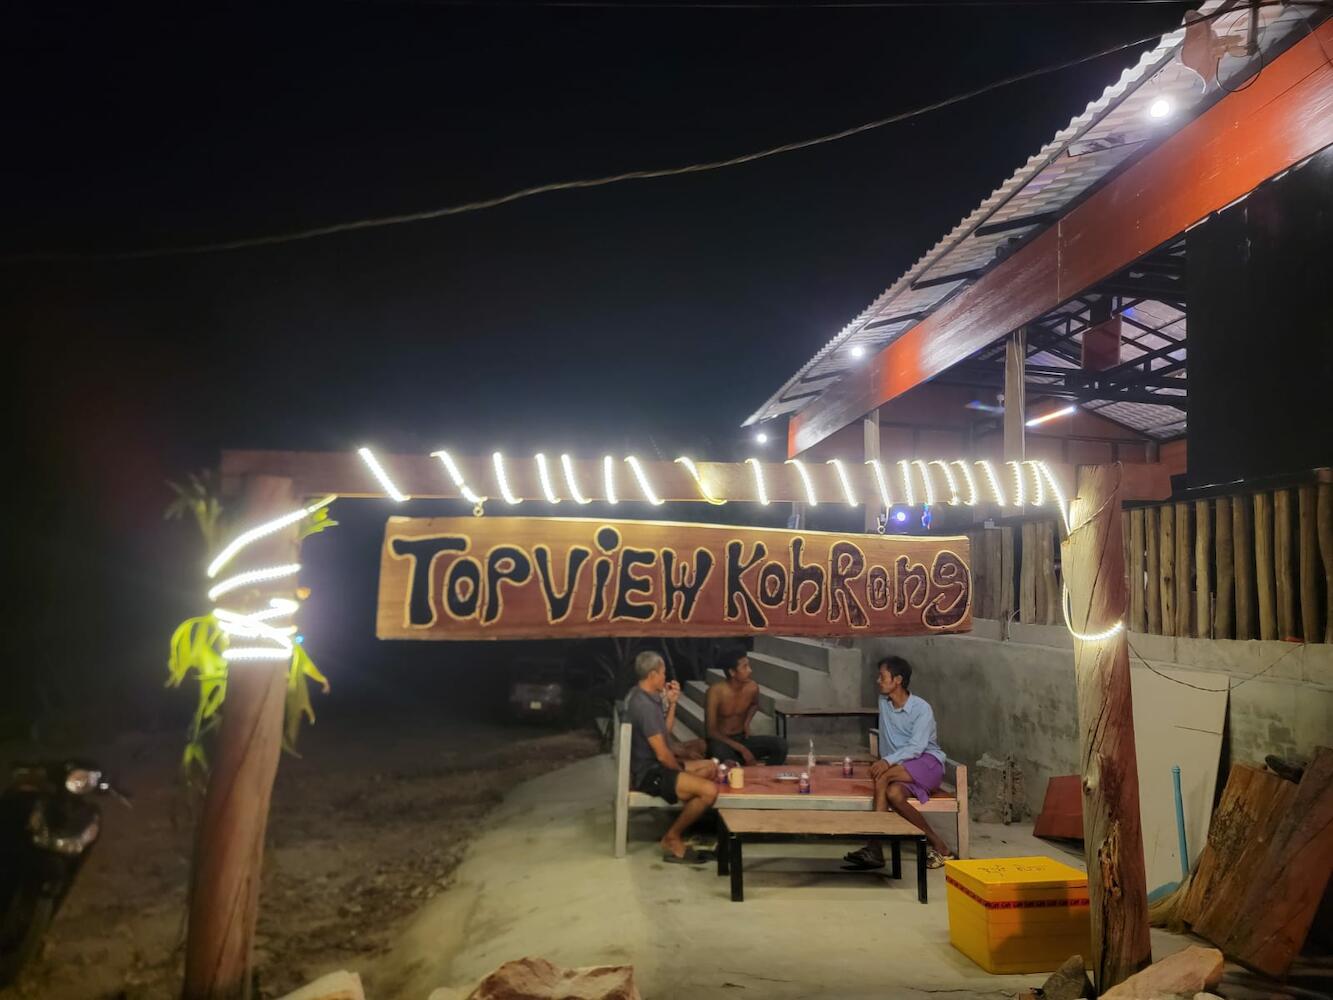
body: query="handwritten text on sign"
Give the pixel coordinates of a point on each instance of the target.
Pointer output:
(525, 578)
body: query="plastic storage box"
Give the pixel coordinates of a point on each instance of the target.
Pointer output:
(1018, 914)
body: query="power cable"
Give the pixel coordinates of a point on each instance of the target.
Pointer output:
(426, 215)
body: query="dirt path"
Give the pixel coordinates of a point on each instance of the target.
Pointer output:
(367, 826)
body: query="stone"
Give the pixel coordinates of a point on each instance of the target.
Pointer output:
(1069, 982)
(341, 985)
(1183, 974)
(538, 979)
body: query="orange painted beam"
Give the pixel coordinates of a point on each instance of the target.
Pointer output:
(1282, 118)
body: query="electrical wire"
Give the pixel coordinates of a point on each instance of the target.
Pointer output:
(426, 215)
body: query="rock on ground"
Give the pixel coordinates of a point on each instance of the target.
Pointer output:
(1180, 975)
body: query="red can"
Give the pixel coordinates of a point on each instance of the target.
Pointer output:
(847, 767)
(722, 773)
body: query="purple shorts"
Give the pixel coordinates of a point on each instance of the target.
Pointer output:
(927, 772)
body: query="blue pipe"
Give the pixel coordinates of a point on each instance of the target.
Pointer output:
(1180, 824)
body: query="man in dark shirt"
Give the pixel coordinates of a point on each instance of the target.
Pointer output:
(654, 769)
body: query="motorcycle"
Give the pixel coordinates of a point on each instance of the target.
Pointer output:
(49, 821)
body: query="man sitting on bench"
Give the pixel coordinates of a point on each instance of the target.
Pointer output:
(911, 763)
(730, 706)
(654, 769)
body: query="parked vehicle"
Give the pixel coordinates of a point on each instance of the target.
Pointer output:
(538, 694)
(49, 821)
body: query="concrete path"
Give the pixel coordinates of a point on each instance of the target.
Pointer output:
(541, 881)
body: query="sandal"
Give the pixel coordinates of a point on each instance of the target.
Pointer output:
(863, 860)
(934, 859)
(690, 857)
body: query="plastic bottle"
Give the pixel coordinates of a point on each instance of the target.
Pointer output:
(810, 757)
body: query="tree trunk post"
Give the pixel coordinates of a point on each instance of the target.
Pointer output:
(1112, 837)
(229, 841)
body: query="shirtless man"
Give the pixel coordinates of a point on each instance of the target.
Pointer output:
(654, 768)
(730, 706)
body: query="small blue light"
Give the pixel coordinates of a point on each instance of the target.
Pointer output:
(900, 516)
(925, 517)
(299, 639)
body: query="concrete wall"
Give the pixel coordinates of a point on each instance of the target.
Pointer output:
(1016, 694)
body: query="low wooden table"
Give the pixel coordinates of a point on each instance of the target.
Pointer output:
(740, 823)
(783, 711)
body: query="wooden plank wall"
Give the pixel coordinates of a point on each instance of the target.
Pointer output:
(1256, 566)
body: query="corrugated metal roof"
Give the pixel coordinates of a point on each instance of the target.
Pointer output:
(1112, 130)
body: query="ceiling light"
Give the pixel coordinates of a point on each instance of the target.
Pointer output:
(1064, 412)
(857, 351)
(761, 438)
(1159, 109)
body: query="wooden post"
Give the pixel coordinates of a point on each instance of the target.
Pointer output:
(1242, 530)
(1015, 405)
(1138, 607)
(1167, 582)
(1027, 576)
(229, 841)
(1282, 567)
(1263, 564)
(870, 436)
(1203, 570)
(1152, 584)
(1324, 529)
(1223, 626)
(1006, 608)
(1048, 537)
(1184, 577)
(1112, 838)
(1309, 567)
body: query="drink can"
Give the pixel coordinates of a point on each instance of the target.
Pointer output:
(847, 767)
(804, 786)
(722, 773)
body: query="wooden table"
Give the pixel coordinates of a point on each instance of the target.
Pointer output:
(781, 714)
(829, 790)
(740, 823)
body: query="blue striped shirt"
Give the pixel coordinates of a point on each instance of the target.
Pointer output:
(907, 732)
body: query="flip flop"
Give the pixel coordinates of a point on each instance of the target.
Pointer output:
(690, 857)
(862, 860)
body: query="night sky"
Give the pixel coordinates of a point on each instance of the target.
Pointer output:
(651, 315)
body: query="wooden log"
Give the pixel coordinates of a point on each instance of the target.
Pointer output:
(980, 574)
(1324, 529)
(1263, 565)
(1125, 533)
(1184, 575)
(995, 568)
(1113, 839)
(1283, 570)
(1224, 626)
(1242, 530)
(1242, 825)
(1203, 570)
(1138, 605)
(1152, 589)
(1027, 576)
(1007, 570)
(229, 841)
(1285, 888)
(1167, 562)
(1047, 539)
(1309, 552)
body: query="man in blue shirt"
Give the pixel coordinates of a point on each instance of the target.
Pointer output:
(911, 763)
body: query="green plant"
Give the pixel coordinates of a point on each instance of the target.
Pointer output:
(198, 643)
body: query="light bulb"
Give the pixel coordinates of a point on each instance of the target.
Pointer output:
(1159, 109)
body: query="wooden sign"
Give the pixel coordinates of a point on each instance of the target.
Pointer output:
(540, 577)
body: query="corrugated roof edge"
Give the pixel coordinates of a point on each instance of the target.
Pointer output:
(1135, 74)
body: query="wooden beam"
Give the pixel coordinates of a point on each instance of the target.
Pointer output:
(1167, 582)
(1006, 608)
(1048, 538)
(1281, 117)
(1184, 576)
(1112, 837)
(229, 842)
(1242, 530)
(1263, 565)
(1027, 590)
(1152, 589)
(1138, 606)
(1015, 404)
(1224, 626)
(1203, 570)
(1283, 570)
(1309, 567)
(1324, 529)
(870, 440)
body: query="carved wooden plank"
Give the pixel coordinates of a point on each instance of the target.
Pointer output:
(1283, 570)
(1263, 565)
(1167, 581)
(1027, 576)
(1152, 590)
(1223, 624)
(1113, 839)
(1203, 569)
(1184, 574)
(1138, 606)
(1242, 530)
(1324, 529)
(1309, 553)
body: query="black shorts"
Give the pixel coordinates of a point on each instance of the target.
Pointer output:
(660, 781)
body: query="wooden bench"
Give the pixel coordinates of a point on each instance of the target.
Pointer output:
(951, 797)
(737, 824)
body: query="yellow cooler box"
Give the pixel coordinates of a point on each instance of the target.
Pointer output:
(1018, 914)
